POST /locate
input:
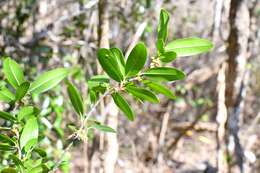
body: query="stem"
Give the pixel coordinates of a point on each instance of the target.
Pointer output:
(84, 121)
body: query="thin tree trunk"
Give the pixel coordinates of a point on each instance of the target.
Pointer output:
(239, 20)
(111, 152)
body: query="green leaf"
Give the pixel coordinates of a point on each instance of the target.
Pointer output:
(39, 169)
(164, 74)
(26, 112)
(48, 80)
(142, 94)
(123, 106)
(75, 98)
(189, 46)
(160, 46)
(102, 128)
(163, 25)
(22, 90)
(13, 72)
(6, 147)
(136, 60)
(8, 170)
(40, 151)
(120, 59)
(98, 83)
(6, 95)
(7, 116)
(29, 136)
(6, 139)
(111, 63)
(93, 96)
(159, 88)
(17, 161)
(168, 57)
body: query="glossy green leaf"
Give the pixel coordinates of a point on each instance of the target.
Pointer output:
(120, 59)
(98, 83)
(164, 74)
(6, 139)
(163, 25)
(26, 112)
(39, 169)
(189, 46)
(22, 90)
(40, 151)
(110, 63)
(48, 80)
(7, 116)
(123, 106)
(168, 57)
(136, 60)
(9, 170)
(142, 94)
(160, 46)
(17, 161)
(6, 147)
(75, 98)
(13, 72)
(159, 89)
(6, 95)
(93, 96)
(103, 128)
(29, 135)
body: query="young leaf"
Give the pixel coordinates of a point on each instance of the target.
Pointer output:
(7, 116)
(48, 80)
(103, 128)
(29, 134)
(159, 88)
(42, 168)
(75, 98)
(98, 83)
(6, 95)
(123, 106)
(40, 151)
(168, 57)
(136, 60)
(26, 112)
(163, 25)
(110, 64)
(22, 90)
(189, 46)
(164, 74)
(142, 94)
(6, 139)
(13, 72)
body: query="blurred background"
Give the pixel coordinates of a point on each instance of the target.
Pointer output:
(212, 125)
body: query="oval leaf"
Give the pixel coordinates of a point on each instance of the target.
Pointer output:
(13, 72)
(6, 95)
(22, 90)
(136, 60)
(159, 88)
(6, 147)
(48, 80)
(26, 112)
(29, 134)
(7, 116)
(123, 106)
(142, 94)
(164, 74)
(75, 98)
(168, 57)
(189, 46)
(103, 128)
(110, 64)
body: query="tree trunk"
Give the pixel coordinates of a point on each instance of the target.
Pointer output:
(237, 57)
